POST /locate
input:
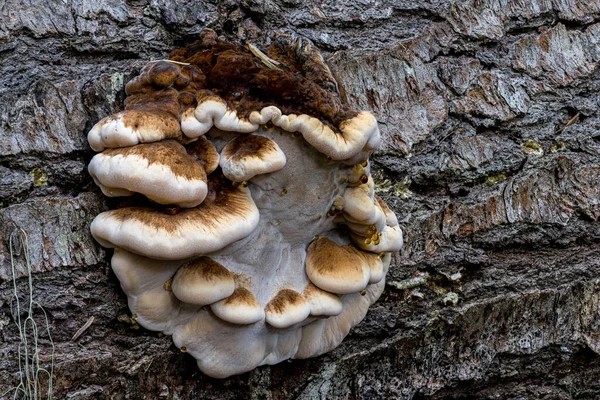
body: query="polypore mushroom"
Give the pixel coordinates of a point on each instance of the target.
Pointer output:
(247, 156)
(202, 281)
(162, 171)
(239, 308)
(228, 214)
(287, 308)
(288, 248)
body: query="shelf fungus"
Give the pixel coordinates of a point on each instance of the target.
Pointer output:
(251, 232)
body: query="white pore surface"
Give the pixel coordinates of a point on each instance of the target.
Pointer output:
(293, 204)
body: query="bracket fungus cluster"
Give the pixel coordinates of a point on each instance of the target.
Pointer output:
(252, 233)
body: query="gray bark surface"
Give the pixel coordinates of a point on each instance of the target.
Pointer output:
(489, 111)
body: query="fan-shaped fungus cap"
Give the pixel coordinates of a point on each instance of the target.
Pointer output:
(359, 205)
(322, 303)
(202, 281)
(353, 133)
(240, 308)
(336, 269)
(228, 214)
(161, 171)
(325, 334)
(287, 308)
(249, 155)
(131, 127)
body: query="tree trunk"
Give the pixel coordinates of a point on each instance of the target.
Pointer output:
(489, 111)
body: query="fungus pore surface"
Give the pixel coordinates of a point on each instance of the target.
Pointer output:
(251, 232)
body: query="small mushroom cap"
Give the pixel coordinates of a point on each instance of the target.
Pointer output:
(353, 135)
(240, 308)
(247, 156)
(357, 174)
(190, 126)
(359, 204)
(287, 308)
(162, 171)
(202, 281)
(228, 214)
(390, 217)
(322, 303)
(390, 240)
(213, 110)
(325, 334)
(205, 154)
(336, 269)
(132, 127)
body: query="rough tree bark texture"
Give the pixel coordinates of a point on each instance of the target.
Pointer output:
(489, 111)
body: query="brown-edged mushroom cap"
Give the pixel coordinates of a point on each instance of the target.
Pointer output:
(161, 171)
(228, 214)
(354, 133)
(240, 308)
(131, 127)
(336, 269)
(389, 240)
(247, 156)
(390, 217)
(322, 303)
(287, 308)
(202, 281)
(213, 110)
(359, 204)
(205, 154)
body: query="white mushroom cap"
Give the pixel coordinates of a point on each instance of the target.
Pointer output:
(190, 126)
(354, 133)
(202, 281)
(132, 127)
(221, 349)
(336, 269)
(247, 156)
(213, 110)
(161, 171)
(359, 204)
(228, 214)
(240, 308)
(322, 303)
(287, 308)
(267, 114)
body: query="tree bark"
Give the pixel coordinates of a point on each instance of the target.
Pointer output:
(489, 111)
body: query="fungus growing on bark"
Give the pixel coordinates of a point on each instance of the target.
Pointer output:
(285, 247)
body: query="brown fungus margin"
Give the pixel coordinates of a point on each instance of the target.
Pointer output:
(299, 82)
